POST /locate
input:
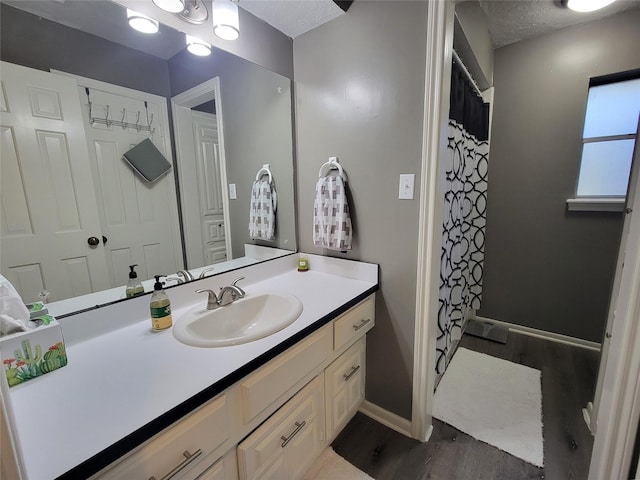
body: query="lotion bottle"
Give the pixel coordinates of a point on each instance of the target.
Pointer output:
(160, 307)
(134, 286)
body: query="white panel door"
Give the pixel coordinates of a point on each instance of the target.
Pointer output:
(139, 219)
(210, 187)
(48, 207)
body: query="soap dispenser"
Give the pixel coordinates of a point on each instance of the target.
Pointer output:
(160, 307)
(134, 286)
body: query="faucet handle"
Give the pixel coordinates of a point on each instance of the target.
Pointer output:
(234, 284)
(212, 299)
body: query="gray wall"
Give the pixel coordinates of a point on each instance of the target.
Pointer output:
(257, 130)
(545, 267)
(359, 95)
(48, 45)
(472, 42)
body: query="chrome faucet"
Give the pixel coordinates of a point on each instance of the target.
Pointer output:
(230, 293)
(226, 295)
(186, 274)
(212, 300)
(203, 273)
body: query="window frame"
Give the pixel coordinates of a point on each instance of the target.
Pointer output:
(603, 203)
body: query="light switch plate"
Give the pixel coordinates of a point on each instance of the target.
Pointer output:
(232, 191)
(405, 190)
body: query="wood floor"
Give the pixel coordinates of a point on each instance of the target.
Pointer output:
(568, 380)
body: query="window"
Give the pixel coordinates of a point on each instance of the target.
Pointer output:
(610, 128)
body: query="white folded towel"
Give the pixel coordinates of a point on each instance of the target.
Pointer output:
(14, 315)
(262, 211)
(331, 219)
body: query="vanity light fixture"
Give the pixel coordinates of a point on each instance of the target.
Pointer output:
(225, 19)
(586, 5)
(172, 6)
(194, 11)
(141, 22)
(198, 47)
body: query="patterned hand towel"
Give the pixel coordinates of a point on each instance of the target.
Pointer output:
(262, 211)
(331, 220)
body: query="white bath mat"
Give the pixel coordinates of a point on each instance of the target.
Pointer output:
(331, 466)
(495, 401)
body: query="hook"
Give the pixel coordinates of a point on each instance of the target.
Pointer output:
(106, 118)
(91, 119)
(138, 122)
(124, 114)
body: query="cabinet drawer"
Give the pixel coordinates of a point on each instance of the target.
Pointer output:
(354, 323)
(262, 388)
(344, 387)
(286, 444)
(197, 435)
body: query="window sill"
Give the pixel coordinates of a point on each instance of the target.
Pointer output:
(595, 204)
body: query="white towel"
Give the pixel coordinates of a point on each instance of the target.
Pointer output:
(262, 211)
(14, 315)
(331, 220)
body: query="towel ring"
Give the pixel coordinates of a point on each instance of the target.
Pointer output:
(332, 164)
(264, 171)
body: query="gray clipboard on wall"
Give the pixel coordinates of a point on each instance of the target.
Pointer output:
(147, 161)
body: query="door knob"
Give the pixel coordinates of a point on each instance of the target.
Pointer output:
(93, 241)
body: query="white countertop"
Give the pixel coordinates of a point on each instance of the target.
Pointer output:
(123, 378)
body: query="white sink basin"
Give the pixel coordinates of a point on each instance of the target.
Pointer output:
(245, 320)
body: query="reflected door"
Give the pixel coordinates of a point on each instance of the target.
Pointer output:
(205, 131)
(48, 208)
(140, 219)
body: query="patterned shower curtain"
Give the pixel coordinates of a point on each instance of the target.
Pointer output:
(461, 261)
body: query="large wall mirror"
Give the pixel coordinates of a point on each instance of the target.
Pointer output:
(80, 89)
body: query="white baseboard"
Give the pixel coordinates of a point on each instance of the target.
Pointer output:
(387, 418)
(534, 332)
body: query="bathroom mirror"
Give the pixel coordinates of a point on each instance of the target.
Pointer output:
(90, 43)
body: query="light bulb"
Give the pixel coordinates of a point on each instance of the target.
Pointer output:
(587, 5)
(141, 22)
(225, 19)
(198, 47)
(173, 6)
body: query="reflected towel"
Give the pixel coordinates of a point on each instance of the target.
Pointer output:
(262, 211)
(331, 219)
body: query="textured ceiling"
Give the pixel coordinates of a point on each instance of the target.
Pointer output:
(513, 20)
(293, 17)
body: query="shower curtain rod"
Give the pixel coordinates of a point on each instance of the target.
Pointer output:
(457, 58)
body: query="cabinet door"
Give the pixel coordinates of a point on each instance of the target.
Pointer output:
(344, 387)
(182, 447)
(288, 443)
(224, 469)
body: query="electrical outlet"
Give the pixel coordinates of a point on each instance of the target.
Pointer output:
(232, 191)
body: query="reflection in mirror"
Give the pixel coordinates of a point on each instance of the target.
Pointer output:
(75, 214)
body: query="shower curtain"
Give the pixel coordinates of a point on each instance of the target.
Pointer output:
(461, 261)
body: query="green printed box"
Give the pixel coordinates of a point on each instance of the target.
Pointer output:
(31, 354)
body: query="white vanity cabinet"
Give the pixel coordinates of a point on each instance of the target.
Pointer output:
(180, 449)
(344, 388)
(272, 423)
(287, 444)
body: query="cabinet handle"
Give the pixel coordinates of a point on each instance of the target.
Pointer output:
(361, 324)
(285, 440)
(353, 371)
(188, 458)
